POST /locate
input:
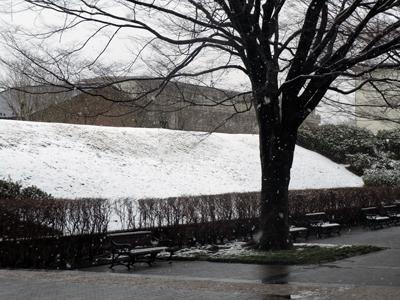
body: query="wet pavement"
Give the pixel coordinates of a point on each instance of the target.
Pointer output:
(372, 276)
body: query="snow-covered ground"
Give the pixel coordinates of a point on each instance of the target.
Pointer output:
(89, 161)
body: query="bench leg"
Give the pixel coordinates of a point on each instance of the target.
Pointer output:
(329, 231)
(295, 237)
(380, 224)
(338, 232)
(151, 259)
(170, 257)
(115, 262)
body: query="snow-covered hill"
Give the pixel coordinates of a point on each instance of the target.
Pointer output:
(89, 161)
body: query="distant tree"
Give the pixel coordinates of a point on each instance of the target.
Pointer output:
(15, 96)
(25, 95)
(292, 53)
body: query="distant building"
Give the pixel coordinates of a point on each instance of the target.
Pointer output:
(378, 101)
(139, 102)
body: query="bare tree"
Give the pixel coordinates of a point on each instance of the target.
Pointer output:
(16, 96)
(27, 91)
(292, 53)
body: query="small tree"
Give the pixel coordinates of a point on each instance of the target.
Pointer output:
(16, 95)
(290, 52)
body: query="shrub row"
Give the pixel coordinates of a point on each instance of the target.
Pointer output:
(235, 215)
(37, 218)
(341, 203)
(200, 219)
(26, 229)
(63, 252)
(197, 209)
(34, 218)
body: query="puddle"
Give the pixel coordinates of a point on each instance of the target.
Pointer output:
(277, 279)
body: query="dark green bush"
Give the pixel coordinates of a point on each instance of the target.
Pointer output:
(389, 141)
(13, 190)
(9, 189)
(33, 192)
(373, 157)
(382, 177)
(336, 141)
(360, 162)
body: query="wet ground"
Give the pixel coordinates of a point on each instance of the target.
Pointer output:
(371, 276)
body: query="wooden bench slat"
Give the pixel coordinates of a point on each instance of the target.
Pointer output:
(130, 247)
(393, 212)
(320, 222)
(148, 250)
(373, 218)
(295, 229)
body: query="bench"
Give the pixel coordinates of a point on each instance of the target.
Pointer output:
(127, 248)
(296, 232)
(297, 229)
(373, 218)
(322, 224)
(392, 211)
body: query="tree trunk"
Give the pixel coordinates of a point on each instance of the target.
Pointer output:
(277, 143)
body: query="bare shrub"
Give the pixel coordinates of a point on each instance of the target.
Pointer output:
(126, 210)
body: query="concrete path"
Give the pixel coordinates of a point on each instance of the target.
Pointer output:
(372, 276)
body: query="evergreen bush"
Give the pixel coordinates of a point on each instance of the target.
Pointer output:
(336, 141)
(382, 177)
(360, 162)
(9, 189)
(376, 158)
(389, 141)
(13, 190)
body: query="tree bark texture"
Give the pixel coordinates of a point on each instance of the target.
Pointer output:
(277, 142)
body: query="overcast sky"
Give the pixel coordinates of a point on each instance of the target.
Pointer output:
(18, 20)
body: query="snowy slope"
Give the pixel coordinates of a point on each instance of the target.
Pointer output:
(89, 161)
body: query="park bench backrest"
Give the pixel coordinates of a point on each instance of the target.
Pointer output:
(370, 211)
(391, 208)
(136, 239)
(319, 216)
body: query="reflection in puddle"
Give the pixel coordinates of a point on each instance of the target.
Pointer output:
(276, 297)
(275, 275)
(276, 279)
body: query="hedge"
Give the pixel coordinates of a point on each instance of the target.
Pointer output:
(54, 233)
(214, 218)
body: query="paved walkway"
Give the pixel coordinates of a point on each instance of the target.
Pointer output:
(372, 276)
